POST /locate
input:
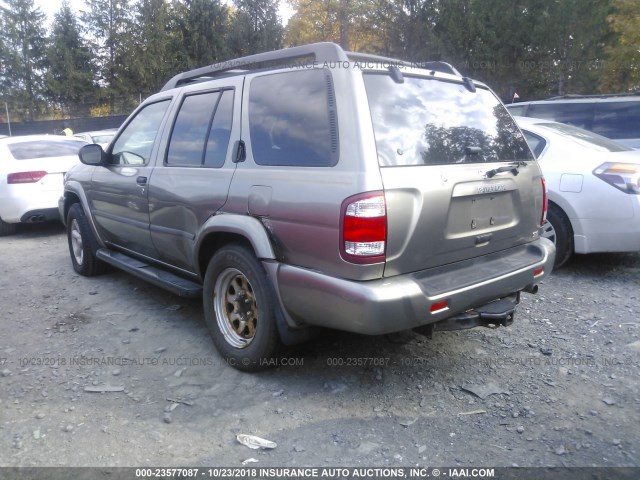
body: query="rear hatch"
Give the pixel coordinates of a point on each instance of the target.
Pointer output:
(459, 179)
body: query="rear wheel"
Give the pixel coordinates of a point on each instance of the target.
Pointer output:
(7, 228)
(240, 309)
(82, 244)
(558, 229)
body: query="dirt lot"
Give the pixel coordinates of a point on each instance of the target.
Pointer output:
(560, 387)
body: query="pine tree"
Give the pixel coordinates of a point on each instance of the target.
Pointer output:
(23, 60)
(70, 77)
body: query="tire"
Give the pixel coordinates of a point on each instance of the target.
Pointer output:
(240, 309)
(82, 244)
(7, 228)
(558, 229)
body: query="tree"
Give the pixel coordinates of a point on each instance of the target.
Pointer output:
(622, 66)
(69, 78)
(255, 27)
(573, 34)
(23, 46)
(109, 23)
(203, 26)
(354, 24)
(156, 49)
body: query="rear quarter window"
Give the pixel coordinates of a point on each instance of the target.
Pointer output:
(292, 119)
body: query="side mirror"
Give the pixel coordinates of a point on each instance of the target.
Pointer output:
(92, 154)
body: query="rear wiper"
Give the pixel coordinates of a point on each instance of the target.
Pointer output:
(514, 168)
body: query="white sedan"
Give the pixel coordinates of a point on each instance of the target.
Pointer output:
(593, 185)
(31, 174)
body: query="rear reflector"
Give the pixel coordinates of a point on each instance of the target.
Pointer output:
(364, 228)
(25, 177)
(545, 202)
(538, 271)
(440, 306)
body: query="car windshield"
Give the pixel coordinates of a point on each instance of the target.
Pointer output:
(424, 121)
(44, 149)
(586, 138)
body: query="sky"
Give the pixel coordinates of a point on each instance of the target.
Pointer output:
(50, 8)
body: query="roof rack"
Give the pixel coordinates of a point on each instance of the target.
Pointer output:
(604, 95)
(435, 66)
(318, 52)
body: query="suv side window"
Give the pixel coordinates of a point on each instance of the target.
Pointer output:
(201, 131)
(292, 119)
(576, 114)
(617, 119)
(134, 145)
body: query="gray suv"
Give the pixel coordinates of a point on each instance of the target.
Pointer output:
(311, 187)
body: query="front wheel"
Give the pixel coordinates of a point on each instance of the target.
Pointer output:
(240, 309)
(82, 244)
(558, 229)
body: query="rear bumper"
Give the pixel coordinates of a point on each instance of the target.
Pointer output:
(29, 204)
(406, 301)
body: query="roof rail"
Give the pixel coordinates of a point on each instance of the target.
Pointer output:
(436, 66)
(320, 52)
(602, 95)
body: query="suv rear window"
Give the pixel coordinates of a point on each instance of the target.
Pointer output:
(430, 122)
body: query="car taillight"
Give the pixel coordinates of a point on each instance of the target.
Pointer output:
(623, 176)
(364, 228)
(25, 177)
(545, 202)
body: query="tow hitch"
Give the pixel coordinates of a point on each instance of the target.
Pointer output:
(492, 315)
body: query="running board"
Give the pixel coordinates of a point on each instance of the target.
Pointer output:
(160, 278)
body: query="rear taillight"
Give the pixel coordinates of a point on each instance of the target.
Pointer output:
(25, 177)
(623, 176)
(364, 228)
(545, 202)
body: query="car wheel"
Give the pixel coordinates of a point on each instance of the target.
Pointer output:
(82, 244)
(7, 228)
(558, 229)
(240, 309)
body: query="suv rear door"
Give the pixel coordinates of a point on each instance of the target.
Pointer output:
(459, 179)
(192, 177)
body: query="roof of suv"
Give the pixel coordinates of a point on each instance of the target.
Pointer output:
(316, 53)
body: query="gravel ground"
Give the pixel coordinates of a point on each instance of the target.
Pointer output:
(110, 371)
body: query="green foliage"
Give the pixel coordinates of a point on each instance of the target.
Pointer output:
(119, 51)
(110, 26)
(22, 57)
(622, 68)
(70, 76)
(255, 27)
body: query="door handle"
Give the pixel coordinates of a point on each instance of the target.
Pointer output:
(142, 181)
